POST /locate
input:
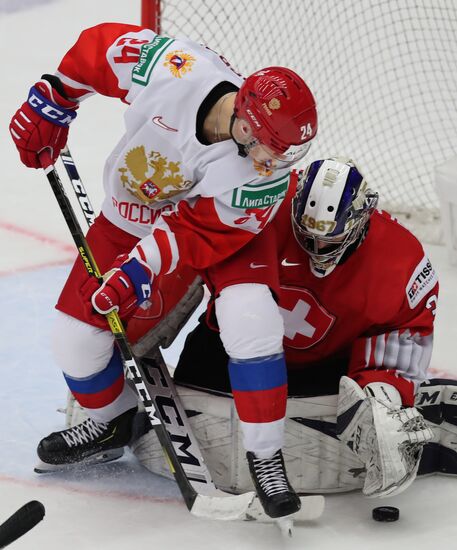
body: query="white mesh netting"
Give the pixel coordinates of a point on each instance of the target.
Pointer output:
(383, 73)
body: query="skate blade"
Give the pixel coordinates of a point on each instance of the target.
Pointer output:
(312, 507)
(285, 525)
(97, 458)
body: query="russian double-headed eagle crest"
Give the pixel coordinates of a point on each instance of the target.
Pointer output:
(179, 63)
(152, 177)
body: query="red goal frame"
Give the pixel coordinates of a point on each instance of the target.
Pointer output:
(150, 14)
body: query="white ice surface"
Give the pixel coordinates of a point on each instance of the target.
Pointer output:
(121, 505)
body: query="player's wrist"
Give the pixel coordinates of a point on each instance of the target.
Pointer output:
(57, 86)
(140, 275)
(50, 105)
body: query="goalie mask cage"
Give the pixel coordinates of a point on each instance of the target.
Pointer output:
(383, 72)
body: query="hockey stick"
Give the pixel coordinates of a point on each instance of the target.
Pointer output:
(86, 208)
(162, 393)
(214, 507)
(78, 186)
(21, 522)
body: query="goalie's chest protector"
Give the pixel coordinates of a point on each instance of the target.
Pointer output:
(159, 160)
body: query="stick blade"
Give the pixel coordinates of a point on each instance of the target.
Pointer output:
(226, 508)
(247, 507)
(20, 522)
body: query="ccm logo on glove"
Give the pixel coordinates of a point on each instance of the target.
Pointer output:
(49, 110)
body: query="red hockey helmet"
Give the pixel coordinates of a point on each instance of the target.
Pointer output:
(280, 110)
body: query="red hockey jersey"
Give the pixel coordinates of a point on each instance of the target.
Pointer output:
(375, 311)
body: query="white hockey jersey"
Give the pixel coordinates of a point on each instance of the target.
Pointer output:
(185, 200)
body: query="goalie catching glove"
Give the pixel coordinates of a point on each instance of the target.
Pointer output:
(124, 288)
(387, 438)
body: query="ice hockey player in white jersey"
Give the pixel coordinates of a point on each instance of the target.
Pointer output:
(202, 167)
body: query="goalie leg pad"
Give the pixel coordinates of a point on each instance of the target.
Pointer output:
(316, 461)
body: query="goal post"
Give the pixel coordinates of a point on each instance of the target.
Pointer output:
(382, 71)
(150, 14)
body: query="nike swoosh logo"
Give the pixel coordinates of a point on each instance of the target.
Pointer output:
(157, 120)
(285, 263)
(256, 266)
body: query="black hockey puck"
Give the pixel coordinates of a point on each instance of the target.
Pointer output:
(386, 513)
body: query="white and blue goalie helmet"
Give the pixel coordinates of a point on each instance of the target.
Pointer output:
(330, 211)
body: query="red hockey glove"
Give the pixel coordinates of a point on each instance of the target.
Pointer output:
(126, 286)
(42, 122)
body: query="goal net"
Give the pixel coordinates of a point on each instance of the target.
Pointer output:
(383, 73)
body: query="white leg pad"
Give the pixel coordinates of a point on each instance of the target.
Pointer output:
(315, 462)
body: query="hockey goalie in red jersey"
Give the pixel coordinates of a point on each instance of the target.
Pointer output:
(357, 297)
(203, 166)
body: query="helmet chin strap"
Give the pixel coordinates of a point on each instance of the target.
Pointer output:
(242, 152)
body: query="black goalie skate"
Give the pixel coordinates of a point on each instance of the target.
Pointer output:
(89, 443)
(273, 488)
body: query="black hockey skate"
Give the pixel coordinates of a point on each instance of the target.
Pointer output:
(272, 486)
(89, 443)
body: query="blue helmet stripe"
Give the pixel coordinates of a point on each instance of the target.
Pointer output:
(302, 199)
(350, 191)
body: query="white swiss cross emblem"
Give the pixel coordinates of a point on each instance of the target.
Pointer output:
(306, 322)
